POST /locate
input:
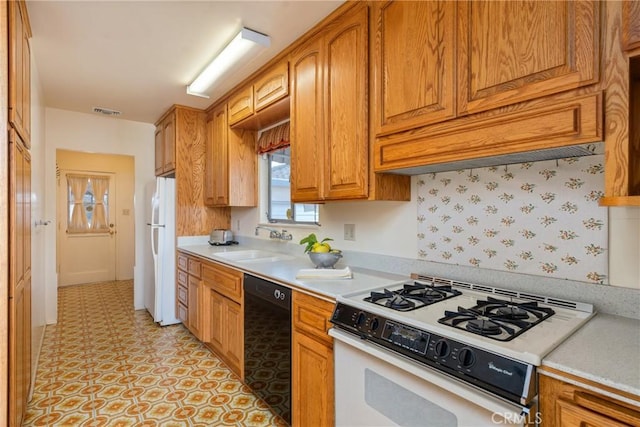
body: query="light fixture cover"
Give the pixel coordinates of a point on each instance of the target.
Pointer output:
(239, 46)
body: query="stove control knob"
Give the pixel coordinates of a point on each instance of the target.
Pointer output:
(466, 357)
(375, 323)
(360, 319)
(441, 348)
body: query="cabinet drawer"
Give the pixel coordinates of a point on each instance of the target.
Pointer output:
(182, 262)
(272, 86)
(182, 278)
(183, 295)
(241, 105)
(226, 281)
(195, 267)
(311, 315)
(182, 313)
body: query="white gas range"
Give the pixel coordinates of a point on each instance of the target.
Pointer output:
(441, 345)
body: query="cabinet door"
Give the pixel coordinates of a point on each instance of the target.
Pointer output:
(159, 150)
(312, 383)
(241, 105)
(216, 188)
(415, 59)
(169, 132)
(346, 85)
(216, 320)
(193, 309)
(271, 86)
(510, 52)
(234, 336)
(307, 128)
(19, 70)
(631, 24)
(19, 276)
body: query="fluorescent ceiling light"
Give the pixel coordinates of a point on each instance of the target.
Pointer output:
(241, 44)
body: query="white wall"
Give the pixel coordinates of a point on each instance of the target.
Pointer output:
(387, 228)
(38, 232)
(96, 134)
(390, 228)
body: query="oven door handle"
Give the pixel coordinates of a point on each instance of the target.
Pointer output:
(467, 392)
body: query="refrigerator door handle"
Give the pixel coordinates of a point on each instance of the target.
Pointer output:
(155, 225)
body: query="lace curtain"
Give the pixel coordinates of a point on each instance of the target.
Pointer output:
(88, 197)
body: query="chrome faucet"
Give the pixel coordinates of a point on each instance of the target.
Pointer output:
(273, 233)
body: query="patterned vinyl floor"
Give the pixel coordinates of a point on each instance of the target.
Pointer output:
(105, 364)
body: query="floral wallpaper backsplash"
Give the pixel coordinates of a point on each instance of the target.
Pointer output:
(537, 218)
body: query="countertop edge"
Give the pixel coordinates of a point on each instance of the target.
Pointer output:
(587, 355)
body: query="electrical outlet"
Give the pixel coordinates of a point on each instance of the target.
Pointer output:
(349, 232)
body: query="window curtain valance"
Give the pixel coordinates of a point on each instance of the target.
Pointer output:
(274, 139)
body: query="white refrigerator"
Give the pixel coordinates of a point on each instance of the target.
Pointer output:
(160, 298)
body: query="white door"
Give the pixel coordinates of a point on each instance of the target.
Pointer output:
(86, 227)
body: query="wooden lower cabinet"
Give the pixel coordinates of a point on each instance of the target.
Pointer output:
(312, 385)
(223, 315)
(188, 292)
(568, 405)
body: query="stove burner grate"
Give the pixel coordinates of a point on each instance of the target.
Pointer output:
(497, 319)
(412, 295)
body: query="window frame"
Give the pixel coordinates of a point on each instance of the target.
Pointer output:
(293, 206)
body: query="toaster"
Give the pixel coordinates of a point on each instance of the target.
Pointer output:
(220, 237)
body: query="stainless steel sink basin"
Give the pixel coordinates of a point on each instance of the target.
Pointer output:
(253, 255)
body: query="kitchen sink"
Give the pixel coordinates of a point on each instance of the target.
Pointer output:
(254, 255)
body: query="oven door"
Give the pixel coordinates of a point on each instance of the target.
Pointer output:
(375, 387)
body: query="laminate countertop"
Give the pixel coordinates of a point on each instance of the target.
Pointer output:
(605, 351)
(284, 271)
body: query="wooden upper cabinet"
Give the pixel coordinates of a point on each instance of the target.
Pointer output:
(216, 161)
(271, 86)
(329, 116)
(165, 145)
(414, 64)
(20, 70)
(241, 105)
(631, 24)
(510, 52)
(231, 174)
(346, 115)
(307, 129)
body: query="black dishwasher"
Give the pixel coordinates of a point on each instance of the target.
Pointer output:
(267, 343)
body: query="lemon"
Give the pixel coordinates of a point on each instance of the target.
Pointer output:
(320, 247)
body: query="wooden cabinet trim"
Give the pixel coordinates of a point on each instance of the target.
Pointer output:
(559, 124)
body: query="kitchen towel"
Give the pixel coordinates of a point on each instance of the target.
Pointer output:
(325, 273)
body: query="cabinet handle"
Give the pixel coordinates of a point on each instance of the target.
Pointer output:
(607, 407)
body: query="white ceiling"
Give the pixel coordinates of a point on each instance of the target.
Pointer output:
(137, 57)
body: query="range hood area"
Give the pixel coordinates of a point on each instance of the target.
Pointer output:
(506, 159)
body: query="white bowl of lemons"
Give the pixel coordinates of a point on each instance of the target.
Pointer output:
(320, 252)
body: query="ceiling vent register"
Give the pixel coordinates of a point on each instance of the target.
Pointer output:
(106, 111)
